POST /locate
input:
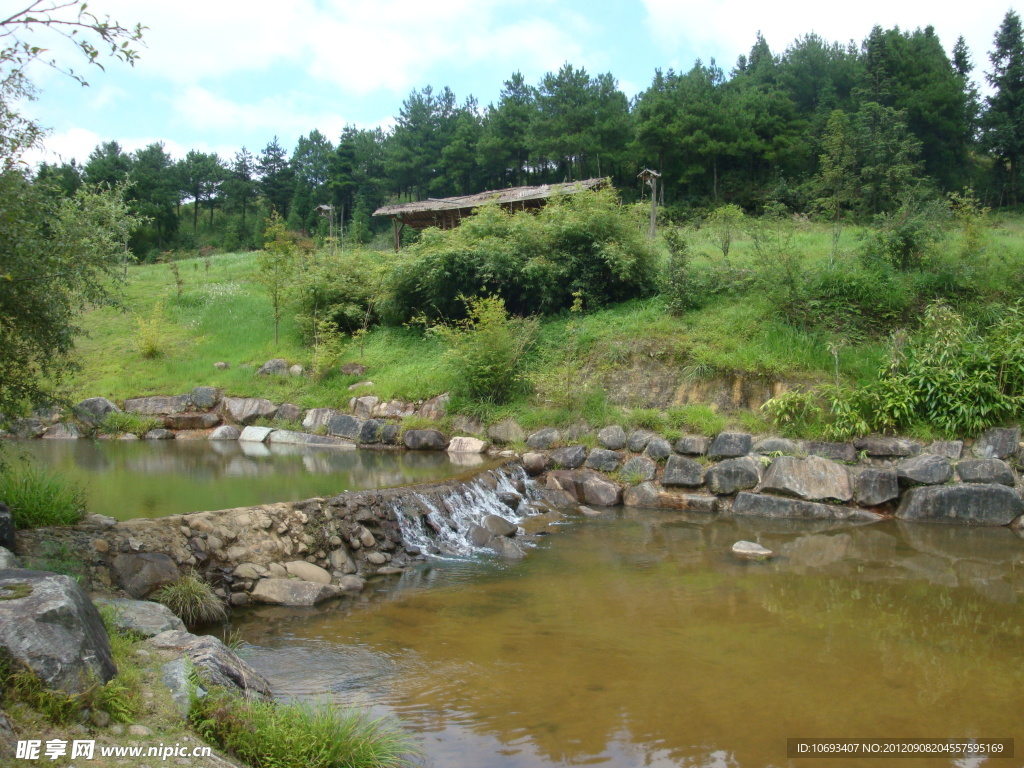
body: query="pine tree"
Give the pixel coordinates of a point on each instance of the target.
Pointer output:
(1003, 123)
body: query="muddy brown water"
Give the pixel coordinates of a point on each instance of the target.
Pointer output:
(635, 639)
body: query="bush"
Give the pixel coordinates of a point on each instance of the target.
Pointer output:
(343, 289)
(905, 239)
(192, 600)
(487, 350)
(577, 245)
(952, 375)
(39, 498)
(298, 735)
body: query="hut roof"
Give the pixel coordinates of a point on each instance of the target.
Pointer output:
(426, 213)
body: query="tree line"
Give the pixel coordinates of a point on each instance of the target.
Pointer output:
(823, 127)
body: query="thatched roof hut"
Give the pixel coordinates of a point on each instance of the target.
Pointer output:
(448, 212)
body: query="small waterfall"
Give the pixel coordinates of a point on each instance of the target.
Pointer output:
(447, 520)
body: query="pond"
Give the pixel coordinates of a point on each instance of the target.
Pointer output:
(154, 478)
(634, 639)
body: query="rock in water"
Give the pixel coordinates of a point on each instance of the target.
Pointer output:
(749, 550)
(48, 624)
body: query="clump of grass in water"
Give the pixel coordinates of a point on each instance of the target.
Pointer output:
(192, 600)
(39, 498)
(124, 423)
(299, 735)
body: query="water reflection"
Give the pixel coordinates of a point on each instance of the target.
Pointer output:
(153, 478)
(636, 639)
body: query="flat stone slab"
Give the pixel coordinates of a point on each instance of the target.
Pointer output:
(680, 470)
(245, 410)
(875, 486)
(215, 663)
(653, 496)
(463, 444)
(730, 445)
(289, 437)
(293, 592)
(886, 446)
(142, 616)
(158, 405)
(835, 451)
(763, 505)
(926, 469)
(317, 418)
(812, 479)
(971, 503)
(985, 471)
(255, 434)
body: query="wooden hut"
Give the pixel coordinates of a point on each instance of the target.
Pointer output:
(448, 212)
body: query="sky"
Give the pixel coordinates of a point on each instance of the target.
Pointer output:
(216, 75)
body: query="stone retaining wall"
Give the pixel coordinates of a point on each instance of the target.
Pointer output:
(296, 553)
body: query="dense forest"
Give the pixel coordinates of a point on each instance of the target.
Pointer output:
(822, 127)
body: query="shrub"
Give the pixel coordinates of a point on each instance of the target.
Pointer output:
(584, 244)
(192, 600)
(905, 239)
(40, 498)
(298, 735)
(343, 289)
(723, 226)
(951, 375)
(150, 335)
(487, 350)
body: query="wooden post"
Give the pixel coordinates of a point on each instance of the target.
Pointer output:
(397, 241)
(654, 206)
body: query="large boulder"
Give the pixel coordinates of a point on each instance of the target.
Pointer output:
(424, 440)
(887, 447)
(226, 432)
(973, 503)
(215, 663)
(570, 457)
(985, 471)
(639, 469)
(462, 444)
(162, 434)
(638, 440)
(997, 443)
(142, 574)
(732, 475)
(544, 439)
(317, 419)
(603, 460)
(276, 367)
(872, 486)
(293, 592)
(63, 431)
(369, 433)
(143, 617)
(763, 505)
(255, 434)
(300, 569)
(536, 463)
(926, 469)
(435, 408)
(497, 525)
(835, 451)
(205, 398)
(246, 410)
(505, 432)
(363, 407)
(813, 479)
(653, 496)
(48, 624)
(692, 445)
(158, 405)
(344, 425)
(658, 448)
(8, 559)
(93, 410)
(730, 445)
(28, 428)
(613, 438)
(598, 490)
(680, 470)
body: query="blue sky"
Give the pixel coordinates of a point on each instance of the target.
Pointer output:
(219, 74)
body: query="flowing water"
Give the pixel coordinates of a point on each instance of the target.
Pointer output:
(153, 478)
(634, 639)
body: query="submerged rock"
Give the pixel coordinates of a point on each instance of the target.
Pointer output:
(293, 592)
(749, 550)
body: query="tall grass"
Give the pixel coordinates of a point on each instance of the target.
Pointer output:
(263, 734)
(40, 498)
(192, 600)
